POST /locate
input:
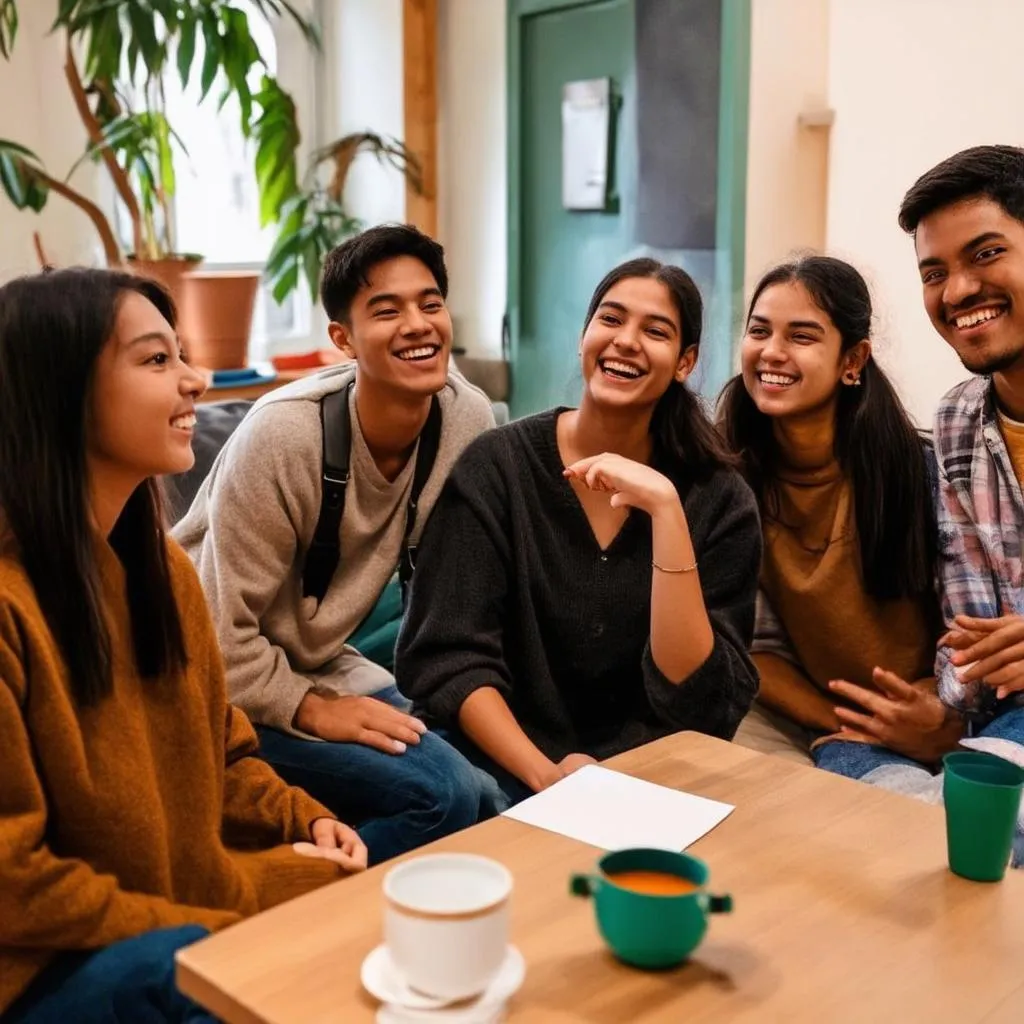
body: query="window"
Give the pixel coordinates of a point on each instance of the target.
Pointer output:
(216, 206)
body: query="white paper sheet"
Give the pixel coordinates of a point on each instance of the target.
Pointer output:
(613, 811)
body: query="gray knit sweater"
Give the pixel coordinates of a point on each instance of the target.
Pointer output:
(251, 524)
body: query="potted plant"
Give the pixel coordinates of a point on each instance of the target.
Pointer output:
(314, 220)
(117, 56)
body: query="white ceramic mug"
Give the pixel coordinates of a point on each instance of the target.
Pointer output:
(446, 922)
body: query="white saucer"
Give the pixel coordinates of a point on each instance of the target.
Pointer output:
(492, 1013)
(380, 978)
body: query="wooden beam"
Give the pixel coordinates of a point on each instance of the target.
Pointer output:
(419, 83)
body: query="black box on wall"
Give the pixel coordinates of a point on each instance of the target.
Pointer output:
(678, 69)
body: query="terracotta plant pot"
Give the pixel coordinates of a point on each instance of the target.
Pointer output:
(168, 271)
(215, 316)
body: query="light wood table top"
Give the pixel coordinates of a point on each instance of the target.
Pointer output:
(845, 911)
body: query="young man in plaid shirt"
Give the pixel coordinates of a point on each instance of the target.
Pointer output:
(966, 216)
(967, 219)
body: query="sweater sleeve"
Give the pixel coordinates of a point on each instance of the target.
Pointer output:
(48, 901)
(244, 533)
(452, 639)
(719, 693)
(260, 809)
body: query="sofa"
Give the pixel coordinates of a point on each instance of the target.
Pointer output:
(215, 422)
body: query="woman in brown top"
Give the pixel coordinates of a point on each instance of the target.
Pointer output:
(135, 816)
(847, 613)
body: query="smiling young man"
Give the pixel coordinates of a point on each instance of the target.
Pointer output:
(967, 219)
(297, 532)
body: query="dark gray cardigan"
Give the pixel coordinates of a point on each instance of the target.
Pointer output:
(512, 591)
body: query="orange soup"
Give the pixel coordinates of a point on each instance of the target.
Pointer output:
(653, 883)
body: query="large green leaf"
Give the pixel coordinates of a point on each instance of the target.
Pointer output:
(105, 49)
(186, 48)
(312, 224)
(143, 35)
(120, 135)
(212, 54)
(271, 9)
(240, 56)
(64, 12)
(23, 188)
(277, 137)
(172, 12)
(8, 27)
(13, 179)
(18, 149)
(162, 135)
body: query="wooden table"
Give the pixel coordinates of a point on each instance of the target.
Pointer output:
(845, 911)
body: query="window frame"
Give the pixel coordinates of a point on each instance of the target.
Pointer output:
(299, 72)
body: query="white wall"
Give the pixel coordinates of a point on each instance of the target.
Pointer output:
(787, 165)
(362, 89)
(36, 110)
(472, 167)
(906, 96)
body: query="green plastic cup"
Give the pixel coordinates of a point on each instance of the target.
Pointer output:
(968, 757)
(982, 794)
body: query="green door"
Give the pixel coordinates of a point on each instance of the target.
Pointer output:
(562, 254)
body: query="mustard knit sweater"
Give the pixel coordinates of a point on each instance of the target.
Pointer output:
(146, 811)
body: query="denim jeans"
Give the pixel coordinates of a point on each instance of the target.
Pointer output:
(512, 789)
(397, 802)
(855, 760)
(129, 982)
(887, 770)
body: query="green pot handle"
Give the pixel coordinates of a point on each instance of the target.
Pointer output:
(584, 885)
(717, 904)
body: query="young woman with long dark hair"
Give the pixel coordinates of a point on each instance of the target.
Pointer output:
(847, 612)
(587, 580)
(134, 814)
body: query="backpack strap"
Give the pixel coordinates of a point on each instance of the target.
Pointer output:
(325, 550)
(426, 453)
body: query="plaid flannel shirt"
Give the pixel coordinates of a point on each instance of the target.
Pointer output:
(981, 518)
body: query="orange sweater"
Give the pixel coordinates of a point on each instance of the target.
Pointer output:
(117, 819)
(811, 578)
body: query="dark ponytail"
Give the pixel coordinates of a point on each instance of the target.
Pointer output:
(876, 443)
(681, 430)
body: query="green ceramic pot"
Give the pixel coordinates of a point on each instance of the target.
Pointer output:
(650, 931)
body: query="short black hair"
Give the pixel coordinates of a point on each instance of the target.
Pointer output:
(992, 172)
(347, 267)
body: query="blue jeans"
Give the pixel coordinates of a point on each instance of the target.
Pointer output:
(855, 760)
(397, 802)
(130, 982)
(512, 789)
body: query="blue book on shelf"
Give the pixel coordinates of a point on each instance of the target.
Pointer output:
(258, 374)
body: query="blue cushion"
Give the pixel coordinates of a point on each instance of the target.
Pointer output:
(376, 636)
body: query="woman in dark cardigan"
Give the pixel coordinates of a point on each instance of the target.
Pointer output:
(587, 580)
